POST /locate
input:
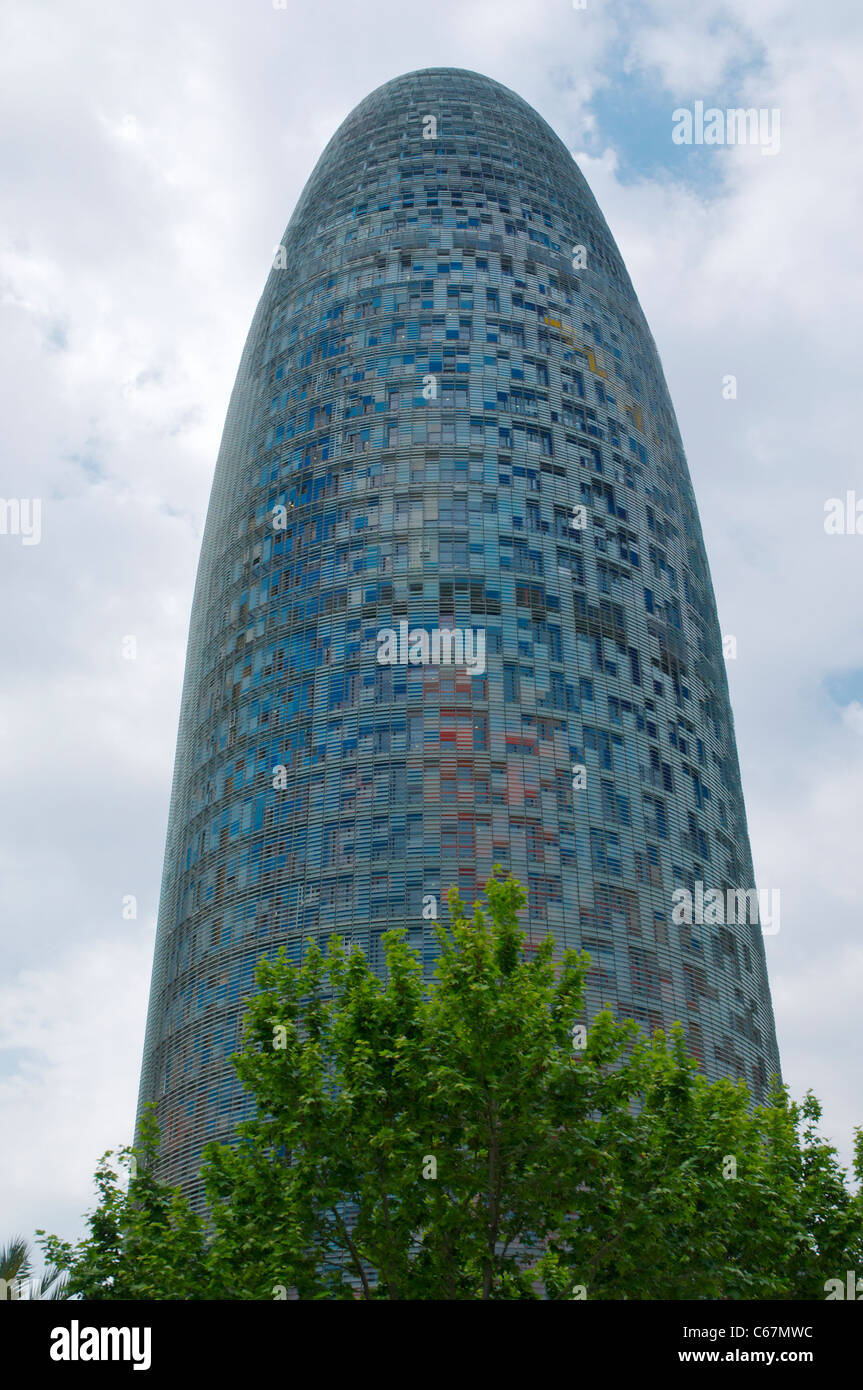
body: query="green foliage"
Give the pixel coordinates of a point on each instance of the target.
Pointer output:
(448, 1142)
(16, 1275)
(144, 1241)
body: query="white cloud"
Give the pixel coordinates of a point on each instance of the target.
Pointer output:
(154, 158)
(70, 1036)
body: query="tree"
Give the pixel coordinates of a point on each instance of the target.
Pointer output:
(144, 1242)
(456, 1141)
(17, 1281)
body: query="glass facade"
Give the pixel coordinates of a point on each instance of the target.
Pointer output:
(450, 424)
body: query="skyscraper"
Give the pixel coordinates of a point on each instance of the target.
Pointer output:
(453, 609)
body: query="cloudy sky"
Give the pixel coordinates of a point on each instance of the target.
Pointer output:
(151, 156)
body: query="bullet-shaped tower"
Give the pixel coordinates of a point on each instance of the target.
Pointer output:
(453, 609)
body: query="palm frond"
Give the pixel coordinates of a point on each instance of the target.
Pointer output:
(52, 1285)
(15, 1260)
